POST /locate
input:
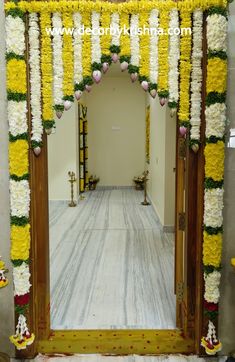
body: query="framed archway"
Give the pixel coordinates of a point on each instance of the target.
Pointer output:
(199, 177)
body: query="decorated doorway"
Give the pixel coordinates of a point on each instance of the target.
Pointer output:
(44, 73)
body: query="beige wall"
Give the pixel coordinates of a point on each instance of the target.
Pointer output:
(116, 130)
(6, 294)
(161, 187)
(227, 303)
(63, 155)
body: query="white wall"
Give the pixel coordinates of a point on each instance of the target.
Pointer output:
(63, 155)
(116, 156)
(161, 186)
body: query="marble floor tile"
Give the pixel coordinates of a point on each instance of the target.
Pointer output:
(111, 265)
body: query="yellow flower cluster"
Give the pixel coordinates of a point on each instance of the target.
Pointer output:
(46, 67)
(68, 84)
(144, 45)
(16, 76)
(212, 249)
(216, 66)
(20, 242)
(185, 68)
(125, 43)
(163, 45)
(130, 6)
(214, 157)
(18, 157)
(105, 40)
(86, 45)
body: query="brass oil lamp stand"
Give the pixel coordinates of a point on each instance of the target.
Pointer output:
(145, 202)
(72, 180)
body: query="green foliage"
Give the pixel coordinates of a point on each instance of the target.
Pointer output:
(19, 221)
(48, 124)
(125, 58)
(79, 86)
(96, 66)
(87, 80)
(19, 262)
(59, 107)
(21, 178)
(115, 49)
(17, 97)
(23, 136)
(213, 231)
(214, 139)
(133, 69)
(212, 184)
(68, 98)
(35, 144)
(13, 55)
(106, 59)
(163, 94)
(16, 13)
(172, 104)
(215, 97)
(217, 54)
(152, 86)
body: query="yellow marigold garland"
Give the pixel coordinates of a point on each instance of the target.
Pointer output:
(47, 71)
(68, 86)
(20, 242)
(144, 47)
(125, 44)
(16, 76)
(86, 49)
(163, 45)
(185, 70)
(18, 157)
(216, 65)
(105, 40)
(214, 158)
(212, 249)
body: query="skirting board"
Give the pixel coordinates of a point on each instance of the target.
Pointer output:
(164, 228)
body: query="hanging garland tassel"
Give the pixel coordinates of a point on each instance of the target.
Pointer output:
(185, 72)
(115, 41)
(35, 83)
(105, 41)
(196, 82)
(215, 113)
(95, 47)
(144, 52)
(77, 47)
(47, 72)
(19, 171)
(153, 52)
(125, 45)
(86, 53)
(163, 91)
(173, 59)
(58, 65)
(68, 87)
(133, 68)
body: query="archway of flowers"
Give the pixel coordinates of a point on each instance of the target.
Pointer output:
(61, 67)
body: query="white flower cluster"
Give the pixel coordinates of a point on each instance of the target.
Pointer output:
(217, 32)
(77, 48)
(215, 120)
(153, 49)
(35, 78)
(15, 29)
(173, 59)
(57, 45)
(134, 39)
(17, 117)
(213, 215)
(196, 82)
(20, 198)
(115, 19)
(95, 38)
(21, 277)
(212, 282)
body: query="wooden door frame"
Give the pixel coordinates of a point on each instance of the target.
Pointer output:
(119, 342)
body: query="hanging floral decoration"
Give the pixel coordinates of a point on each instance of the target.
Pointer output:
(185, 72)
(62, 66)
(19, 167)
(153, 52)
(173, 58)
(215, 114)
(196, 82)
(35, 83)
(58, 70)
(3, 271)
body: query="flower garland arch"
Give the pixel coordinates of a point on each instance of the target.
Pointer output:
(165, 64)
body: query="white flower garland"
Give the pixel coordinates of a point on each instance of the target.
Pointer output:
(95, 38)
(57, 45)
(114, 25)
(77, 47)
(173, 59)
(17, 117)
(213, 215)
(215, 120)
(35, 79)
(134, 40)
(21, 276)
(196, 83)
(212, 282)
(20, 198)
(217, 32)
(153, 49)
(15, 35)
